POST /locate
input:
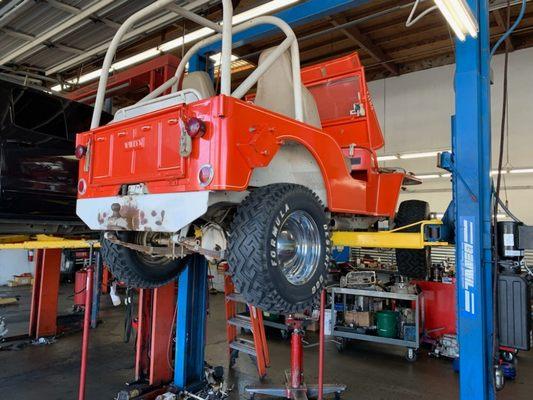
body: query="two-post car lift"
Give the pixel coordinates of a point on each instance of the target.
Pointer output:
(470, 164)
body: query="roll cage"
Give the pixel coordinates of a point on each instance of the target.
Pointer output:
(223, 32)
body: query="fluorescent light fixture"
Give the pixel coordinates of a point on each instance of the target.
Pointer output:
(429, 176)
(387, 158)
(495, 172)
(84, 78)
(262, 10)
(521, 171)
(188, 38)
(441, 215)
(419, 155)
(459, 16)
(448, 175)
(137, 58)
(178, 42)
(217, 58)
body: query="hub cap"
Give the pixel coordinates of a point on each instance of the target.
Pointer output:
(298, 247)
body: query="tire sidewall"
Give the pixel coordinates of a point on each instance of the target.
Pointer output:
(412, 263)
(297, 200)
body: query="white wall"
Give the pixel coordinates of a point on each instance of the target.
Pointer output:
(415, 109)
(13, 262)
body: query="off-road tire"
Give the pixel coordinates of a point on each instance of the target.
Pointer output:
(251, 260)
(126, 266)
(412, 263)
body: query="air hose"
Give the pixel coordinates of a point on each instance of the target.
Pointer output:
(511, 29)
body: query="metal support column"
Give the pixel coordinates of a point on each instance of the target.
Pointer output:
(202, 63)
(471, 143)
(154, 330)
(164, 303)
(97, 285)
(43, 315)
(190, 324)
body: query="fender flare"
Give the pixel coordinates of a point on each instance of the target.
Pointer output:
(295, 161)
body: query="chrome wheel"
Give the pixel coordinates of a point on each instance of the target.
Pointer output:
(298, 247)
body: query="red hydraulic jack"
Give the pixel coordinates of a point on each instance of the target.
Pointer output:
(295, 387)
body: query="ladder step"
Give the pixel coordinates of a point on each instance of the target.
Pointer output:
(241, 321)
(243, 345)
(237, 297)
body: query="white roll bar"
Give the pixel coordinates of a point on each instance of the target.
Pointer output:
(110, 54)
(291, 42)
(227, 31)
(248, 83)
(227, 45)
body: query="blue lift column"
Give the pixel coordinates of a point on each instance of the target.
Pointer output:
(191, 317)
(471, 143)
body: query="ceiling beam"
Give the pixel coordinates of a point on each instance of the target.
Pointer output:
(17, 34)
(165, 20)
(110, 23)
(67, 49)
(28, 38)
(75, 19)
(360, 39)
(63, 7)
(14, 12)
(65, 33)
(503, 26)
(75, 11)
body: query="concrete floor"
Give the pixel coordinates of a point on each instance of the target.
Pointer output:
(371, 371)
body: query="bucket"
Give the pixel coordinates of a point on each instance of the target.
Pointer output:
(387, 322)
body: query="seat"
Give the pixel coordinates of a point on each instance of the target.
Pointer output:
(275, 90)
(196, 86)
(200, 81)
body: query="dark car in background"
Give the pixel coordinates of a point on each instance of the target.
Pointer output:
(38, 170)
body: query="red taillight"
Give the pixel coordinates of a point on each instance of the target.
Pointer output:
(80, 151)
(82, 186)
(195, 127)
(205, 175)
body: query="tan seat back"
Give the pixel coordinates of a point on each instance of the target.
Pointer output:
(275, 90)
(200, 81)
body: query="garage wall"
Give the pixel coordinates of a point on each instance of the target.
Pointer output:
(13, 262)
(415, 109)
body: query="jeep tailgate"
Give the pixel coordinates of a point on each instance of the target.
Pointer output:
(137, 150)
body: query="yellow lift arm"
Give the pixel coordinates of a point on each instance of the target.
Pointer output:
(393, 239)
(45, 242)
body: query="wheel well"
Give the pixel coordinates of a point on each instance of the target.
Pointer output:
(293, 163)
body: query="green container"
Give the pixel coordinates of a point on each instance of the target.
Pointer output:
(387, 322)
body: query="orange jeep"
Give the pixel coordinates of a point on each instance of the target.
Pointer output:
(259, 184)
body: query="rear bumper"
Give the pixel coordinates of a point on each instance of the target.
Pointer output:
(168, 212)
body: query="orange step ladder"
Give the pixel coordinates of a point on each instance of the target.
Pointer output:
(256, 348)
